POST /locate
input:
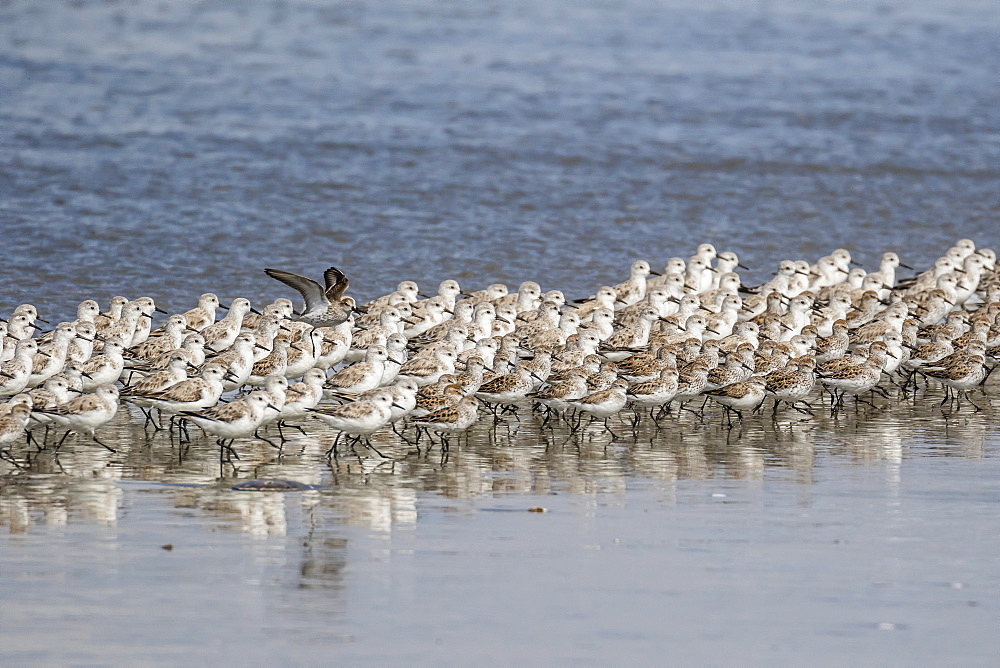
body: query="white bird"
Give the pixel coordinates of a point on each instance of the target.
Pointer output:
(86, 413)
(233, 420)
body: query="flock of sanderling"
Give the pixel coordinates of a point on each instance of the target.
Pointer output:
(680, 338)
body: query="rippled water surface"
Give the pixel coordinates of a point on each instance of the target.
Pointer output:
(172, 148)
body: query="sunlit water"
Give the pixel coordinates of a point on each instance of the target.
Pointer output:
(174, 148)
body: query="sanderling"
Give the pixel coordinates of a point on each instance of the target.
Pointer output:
(622, 343)
(359, 418)
(103, 320)
(123, 329)
(433, 312)
(396, 356)
(275, 363)
(176, 371)
(424, 370)
(81, 348)
(14, 374)
(961, 374)
(604, 403)
(202, 315)
(509, 388)
(633, 290)
(86, 413)
(221, 334)
(303, 395)
(360, 376)
(302, 354)
(51, 358)
(791, 384)
(741, 396)
(104, 368)
(604, 298)
(657, 392)
(527, 297)
(169, 338)
(236, 419)
(558, 395)
(430, 398)
(142, 329)
(855, 377)
(450, 419)
(492, 292)
(13, 424)
(193, 394)
(333, 348)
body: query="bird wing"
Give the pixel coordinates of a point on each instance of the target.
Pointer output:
(77, 405)
(446, 415)
(336, 283)
(151, 383)
(349, 375)
(38, 363)
(295, 392)
(351, 411)
(234, 410)
(185, 391)
(311, 291)
(94, 364)
(419, 366)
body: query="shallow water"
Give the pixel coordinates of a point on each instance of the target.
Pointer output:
(869, 537)
(174, 148)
